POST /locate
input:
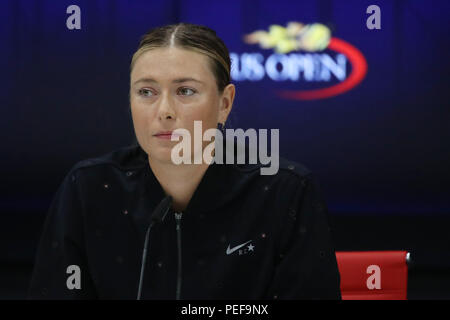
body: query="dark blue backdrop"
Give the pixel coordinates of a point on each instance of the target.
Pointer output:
(380, 149)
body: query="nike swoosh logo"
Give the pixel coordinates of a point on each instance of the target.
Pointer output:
(231, 250)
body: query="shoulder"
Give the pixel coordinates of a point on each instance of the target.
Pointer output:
(124, 159)
(290, 182)
(250, 164)
(293, 169)
(283, 170)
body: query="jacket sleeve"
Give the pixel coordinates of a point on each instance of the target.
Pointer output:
(60, 270)
(306, 266)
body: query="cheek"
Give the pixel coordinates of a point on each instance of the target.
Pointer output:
(141, 119)
(140, 111)
(207, 112)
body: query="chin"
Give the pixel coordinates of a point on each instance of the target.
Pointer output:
(161, 154)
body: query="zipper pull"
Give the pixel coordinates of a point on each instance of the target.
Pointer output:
(179, 275)
(178, 216)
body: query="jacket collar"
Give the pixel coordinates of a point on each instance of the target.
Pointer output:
(220, 184)
(217, 186)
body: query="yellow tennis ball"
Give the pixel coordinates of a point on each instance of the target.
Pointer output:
(317, 37)
(285, 46)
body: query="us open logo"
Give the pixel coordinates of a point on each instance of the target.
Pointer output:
(307, 62)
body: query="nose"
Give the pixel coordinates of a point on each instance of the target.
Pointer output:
(166, 108)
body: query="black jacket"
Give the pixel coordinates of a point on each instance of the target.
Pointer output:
(243, 235)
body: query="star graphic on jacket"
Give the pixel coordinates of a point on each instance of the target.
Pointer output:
(250, 247)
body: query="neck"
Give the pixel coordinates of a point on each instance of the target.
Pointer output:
(178, 181)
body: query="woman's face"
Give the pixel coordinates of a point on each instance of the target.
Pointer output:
(170, 88)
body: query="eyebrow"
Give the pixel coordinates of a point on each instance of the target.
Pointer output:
(179, 80)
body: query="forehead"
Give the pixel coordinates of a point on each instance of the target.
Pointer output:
(171, 63)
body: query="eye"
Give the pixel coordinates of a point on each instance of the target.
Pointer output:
(187, 91)
(145, 92)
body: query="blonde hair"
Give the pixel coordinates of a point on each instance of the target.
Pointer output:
(193, 37)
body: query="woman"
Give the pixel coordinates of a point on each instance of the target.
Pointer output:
(218, 231)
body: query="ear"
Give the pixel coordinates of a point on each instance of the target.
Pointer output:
(226, 102)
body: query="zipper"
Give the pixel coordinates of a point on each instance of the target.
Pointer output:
(178, 217)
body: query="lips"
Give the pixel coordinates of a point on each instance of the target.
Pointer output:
(163, 133)
(166, 135)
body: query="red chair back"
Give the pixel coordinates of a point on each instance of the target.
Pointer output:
(373, 275)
